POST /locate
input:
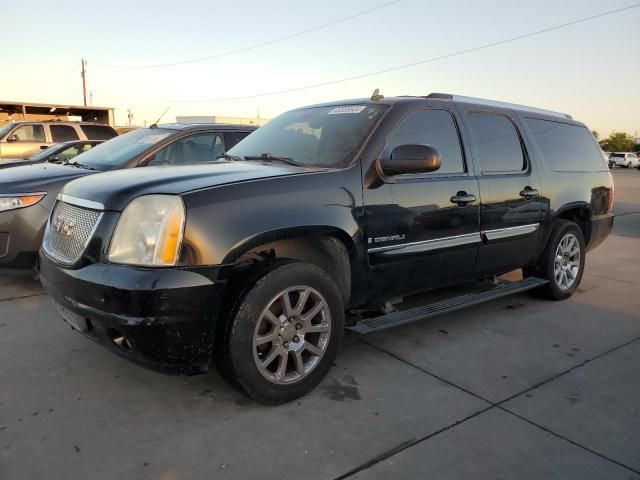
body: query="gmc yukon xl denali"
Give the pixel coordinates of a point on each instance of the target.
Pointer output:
(324, 219)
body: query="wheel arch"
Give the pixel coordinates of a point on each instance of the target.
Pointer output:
(327, 247)
(579, 213)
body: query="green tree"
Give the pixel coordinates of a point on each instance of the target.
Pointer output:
(596, 134)
(618, 142)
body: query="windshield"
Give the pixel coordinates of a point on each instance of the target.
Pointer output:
(115, 152)
(4, 130)
(314, 137)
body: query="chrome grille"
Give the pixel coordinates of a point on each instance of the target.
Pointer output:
(70, 229)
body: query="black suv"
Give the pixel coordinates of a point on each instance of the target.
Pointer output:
(324, 219)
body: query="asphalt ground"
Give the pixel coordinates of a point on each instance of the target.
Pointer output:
(516, 388)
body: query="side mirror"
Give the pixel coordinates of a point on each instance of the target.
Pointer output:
(12, 138)
(411, 159)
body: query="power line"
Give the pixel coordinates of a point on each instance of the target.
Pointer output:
(258, 45)
(73, 72)
(413, 64)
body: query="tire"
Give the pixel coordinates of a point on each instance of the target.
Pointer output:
(275, 354)
(35, 271)
(629, 165)
(570, 235)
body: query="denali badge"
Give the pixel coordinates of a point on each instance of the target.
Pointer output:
(63, 225)
(388, 238)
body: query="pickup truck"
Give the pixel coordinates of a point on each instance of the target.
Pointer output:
(323, 220)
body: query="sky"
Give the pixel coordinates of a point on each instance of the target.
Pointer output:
(590, 70)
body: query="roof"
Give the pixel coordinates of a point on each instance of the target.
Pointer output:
(58, 122)
(206, 126)
(62, 106)
(447, 97)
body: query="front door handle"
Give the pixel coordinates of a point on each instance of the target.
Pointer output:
(529, 193)
(462, 199)
(43, 147)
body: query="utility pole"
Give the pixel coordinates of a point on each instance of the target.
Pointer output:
(83, 74)
(129, 116)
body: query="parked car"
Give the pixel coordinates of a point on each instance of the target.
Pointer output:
(20, 140)
(607, 158)
(328, 215)
(59, 153)
(28, 193)
(625, 159)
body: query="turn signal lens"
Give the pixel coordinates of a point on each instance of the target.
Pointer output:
(170, 237)
(12, 202)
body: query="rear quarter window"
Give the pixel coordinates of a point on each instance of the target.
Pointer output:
(98, 132)
(231, 139)
(566, 147)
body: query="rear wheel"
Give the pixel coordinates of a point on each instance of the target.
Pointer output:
(562, 262)
(285, 333)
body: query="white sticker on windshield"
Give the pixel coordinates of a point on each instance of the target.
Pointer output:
(347, 109)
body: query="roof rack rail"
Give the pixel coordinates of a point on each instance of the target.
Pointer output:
(496, 103)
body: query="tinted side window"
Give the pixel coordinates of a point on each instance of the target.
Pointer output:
(30, 133)
(497, 143)
(98, 132)
(436, 129)
(70, 152)
(231, 139)
(63, 133)
(190, 150)
(567, 148)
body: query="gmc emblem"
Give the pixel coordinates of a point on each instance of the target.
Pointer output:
(63, 225)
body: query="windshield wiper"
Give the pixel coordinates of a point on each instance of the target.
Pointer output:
(226, 156)
(267, 157)
(80, 165)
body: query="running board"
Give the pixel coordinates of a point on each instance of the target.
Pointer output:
(394, 319)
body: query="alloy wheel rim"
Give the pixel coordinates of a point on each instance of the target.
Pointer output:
(292, 335)
(566, 264)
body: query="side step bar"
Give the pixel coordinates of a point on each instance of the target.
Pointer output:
(394, 319)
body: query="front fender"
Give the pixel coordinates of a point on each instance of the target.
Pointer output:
(226, 221)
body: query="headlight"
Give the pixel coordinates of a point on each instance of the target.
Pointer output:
(149, 232)
(11, 202)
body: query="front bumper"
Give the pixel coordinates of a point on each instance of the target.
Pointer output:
(21, 232)
(158, 317)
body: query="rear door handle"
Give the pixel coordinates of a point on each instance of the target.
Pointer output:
(43, 147)
(529, 193)
(462, 199)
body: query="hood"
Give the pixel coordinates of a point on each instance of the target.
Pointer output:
(15, 162)
(39, 177)
(117, 188)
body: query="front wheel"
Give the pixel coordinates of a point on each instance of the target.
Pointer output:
(562, 262)
(285, 333)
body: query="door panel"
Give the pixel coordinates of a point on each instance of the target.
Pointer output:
(31, 139)
(511, 208)
(441, 238)
(432, 240)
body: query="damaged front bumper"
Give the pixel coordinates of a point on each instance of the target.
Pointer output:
(164, 318)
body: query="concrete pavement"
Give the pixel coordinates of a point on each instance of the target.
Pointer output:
(516, 388)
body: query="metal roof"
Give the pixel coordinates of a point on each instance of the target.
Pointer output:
(496, 103)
